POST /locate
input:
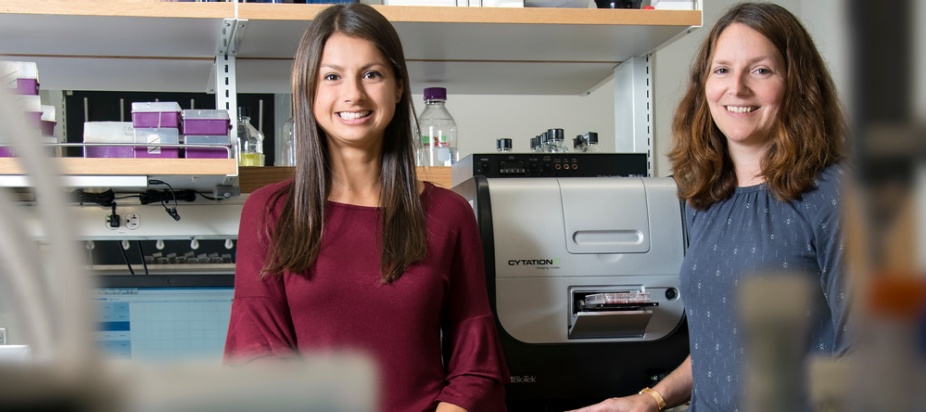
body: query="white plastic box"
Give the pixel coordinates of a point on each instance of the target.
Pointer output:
(154, 137)
(456, 3)
(156, 115)
(673, 4)
(204, 122)
(20, 77)
(109, 132)
(446, 3)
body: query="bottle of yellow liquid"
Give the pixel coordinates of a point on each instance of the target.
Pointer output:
(250, 142)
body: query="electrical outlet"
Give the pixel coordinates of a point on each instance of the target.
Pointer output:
(132, 221)
(2, 336)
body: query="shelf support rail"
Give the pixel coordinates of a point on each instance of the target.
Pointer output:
(224, 72)
(633, 107)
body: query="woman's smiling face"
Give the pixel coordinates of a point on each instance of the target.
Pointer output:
(745, 85)
(357, 92)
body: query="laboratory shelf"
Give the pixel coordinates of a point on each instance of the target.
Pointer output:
(130, 174)
(164, 46)
(136, 45)
(120, 46)
(482, 51)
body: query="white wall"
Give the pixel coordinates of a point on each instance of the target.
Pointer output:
(482, 119)
(822, 18)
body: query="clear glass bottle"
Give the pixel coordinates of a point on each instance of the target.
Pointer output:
(250, 142)
(591, 143)
(288, 152)
(535, 144)
(555, 142)
(438, 131)
(503, 145)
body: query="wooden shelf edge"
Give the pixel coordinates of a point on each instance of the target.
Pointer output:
(485, 15)
(253, 178)
(119, 8)
(439, 175)
(305, 12)
(123, 167)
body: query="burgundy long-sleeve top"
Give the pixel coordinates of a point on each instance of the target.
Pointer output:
(431, 332)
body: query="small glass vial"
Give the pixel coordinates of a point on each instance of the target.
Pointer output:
(591, 139)
(288, 153)
(579, 144)
(503, 145)
(555, 141)
(535, 144)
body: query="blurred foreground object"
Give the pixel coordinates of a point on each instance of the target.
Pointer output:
(59, 367)
(774, 309)
(886, 211)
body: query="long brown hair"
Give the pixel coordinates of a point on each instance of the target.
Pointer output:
(810, 131)
(295, 242)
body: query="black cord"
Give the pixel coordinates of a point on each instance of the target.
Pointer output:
(103, 198)
(126, 257)
(172, 211)
(113, 219)
(141, 251)
(207, 197)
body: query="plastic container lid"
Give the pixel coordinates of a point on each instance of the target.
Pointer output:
(205, 114)
(578, 141)
(435, 93)
(138, 107)
(18, 70)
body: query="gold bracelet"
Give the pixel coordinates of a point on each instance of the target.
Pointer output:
(660, 401)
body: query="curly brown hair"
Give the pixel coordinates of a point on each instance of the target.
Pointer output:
(809, 133)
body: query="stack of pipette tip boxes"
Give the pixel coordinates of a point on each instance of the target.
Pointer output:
(22, 80)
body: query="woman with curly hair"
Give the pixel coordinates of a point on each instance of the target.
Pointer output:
(759, 158)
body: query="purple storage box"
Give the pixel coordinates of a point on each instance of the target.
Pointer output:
(156, 136)
(48, 120)
(6, 151)
(204, 122)
(156, 115)
(121, 152)
(48, 128)
(109, 132)
(222, 143)
(27, 87)
(34, 119)
(32, 108)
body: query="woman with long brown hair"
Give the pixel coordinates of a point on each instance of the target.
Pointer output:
(353, 252)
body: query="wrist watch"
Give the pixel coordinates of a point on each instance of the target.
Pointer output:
(660, 401)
